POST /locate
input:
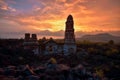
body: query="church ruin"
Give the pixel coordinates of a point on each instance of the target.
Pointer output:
(52, 47)
(69, 44)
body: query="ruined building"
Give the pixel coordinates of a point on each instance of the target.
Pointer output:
(69, 45)
(50, 46)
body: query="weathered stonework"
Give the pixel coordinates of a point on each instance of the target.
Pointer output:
(69, 45)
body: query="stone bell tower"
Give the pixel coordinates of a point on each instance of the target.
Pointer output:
(69, 45)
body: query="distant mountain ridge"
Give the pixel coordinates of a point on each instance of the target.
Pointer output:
(102, 37)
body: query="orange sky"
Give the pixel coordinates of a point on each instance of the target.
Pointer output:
(40, 15)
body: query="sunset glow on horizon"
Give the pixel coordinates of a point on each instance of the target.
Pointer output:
(36, 16)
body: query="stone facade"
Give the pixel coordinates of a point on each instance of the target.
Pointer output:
(69, 45)
(31, 43)
(52, 47)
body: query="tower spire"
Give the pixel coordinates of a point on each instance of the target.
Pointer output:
(69, 44)
(69, 17)
(69, 31)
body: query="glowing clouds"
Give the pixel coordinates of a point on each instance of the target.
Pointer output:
(38, 15)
